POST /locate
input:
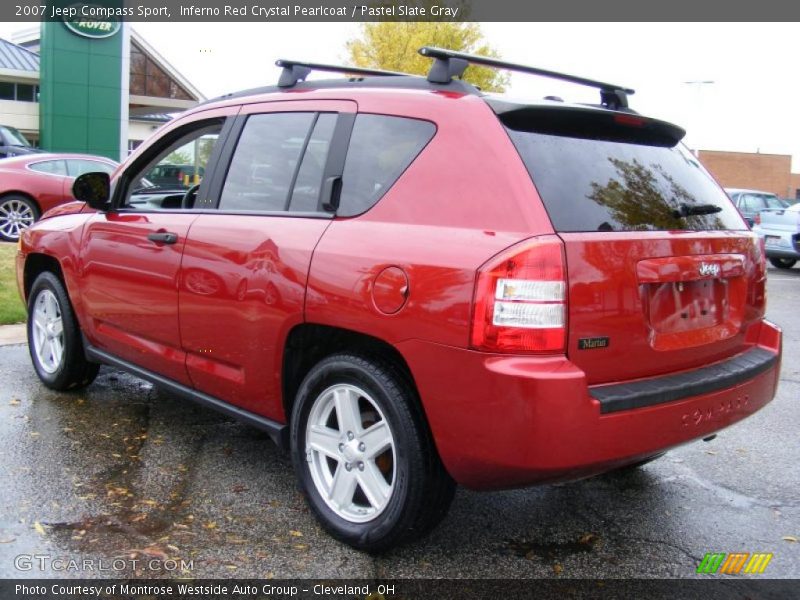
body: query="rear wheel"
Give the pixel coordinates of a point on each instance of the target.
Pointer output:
(364, 457)
(783, 263)
(54, 338)
(17, 213)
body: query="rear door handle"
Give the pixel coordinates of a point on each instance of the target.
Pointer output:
(163, 237)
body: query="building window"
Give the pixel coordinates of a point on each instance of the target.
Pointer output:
(133, 145)
(21, 92)
(6, 90)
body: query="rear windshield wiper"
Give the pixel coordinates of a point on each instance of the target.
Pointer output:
(686, 210)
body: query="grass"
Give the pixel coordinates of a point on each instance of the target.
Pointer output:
(11, 308)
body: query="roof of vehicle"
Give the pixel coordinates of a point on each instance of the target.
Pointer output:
(14, 161)
(745, 190)
(445, 75)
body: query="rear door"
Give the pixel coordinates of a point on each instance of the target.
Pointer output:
(245, 264)
(663, 273)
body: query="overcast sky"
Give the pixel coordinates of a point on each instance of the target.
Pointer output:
(753, 104)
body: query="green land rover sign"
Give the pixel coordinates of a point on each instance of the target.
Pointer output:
(92, 28)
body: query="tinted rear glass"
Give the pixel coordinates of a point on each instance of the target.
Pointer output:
(381, 149)
(598, 185)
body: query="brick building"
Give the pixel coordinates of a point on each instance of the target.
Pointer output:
(767, 172)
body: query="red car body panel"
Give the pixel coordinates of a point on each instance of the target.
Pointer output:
(214, 310)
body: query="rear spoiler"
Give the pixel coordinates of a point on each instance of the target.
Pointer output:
(586, 122)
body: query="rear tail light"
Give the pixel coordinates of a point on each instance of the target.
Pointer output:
(520, 299)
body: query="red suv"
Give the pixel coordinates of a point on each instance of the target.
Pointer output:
(411, 284)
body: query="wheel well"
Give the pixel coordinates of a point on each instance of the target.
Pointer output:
(36, 264)
(308, 344)
(26, 196)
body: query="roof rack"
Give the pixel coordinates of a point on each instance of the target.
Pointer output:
(448, 64)
(294, 71)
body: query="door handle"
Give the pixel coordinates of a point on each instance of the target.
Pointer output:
(163, 237)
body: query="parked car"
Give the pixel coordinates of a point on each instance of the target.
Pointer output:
(780, 230)
(33, 184)
(169, 175)
(13, 143)
(751, 202)
(410, 283)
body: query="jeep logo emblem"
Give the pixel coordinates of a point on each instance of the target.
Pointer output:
(709, 269)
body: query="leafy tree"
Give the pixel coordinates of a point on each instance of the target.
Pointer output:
(393, 46)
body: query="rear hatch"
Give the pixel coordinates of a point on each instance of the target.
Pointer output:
(662, 271)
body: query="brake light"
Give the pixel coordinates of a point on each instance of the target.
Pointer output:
(520, 299)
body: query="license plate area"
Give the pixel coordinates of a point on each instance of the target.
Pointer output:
(690, 301)
(686, 305)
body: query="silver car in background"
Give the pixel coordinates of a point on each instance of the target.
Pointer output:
(780, 230)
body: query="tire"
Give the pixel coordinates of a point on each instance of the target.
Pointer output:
(54, 337)
(414, 490)
(17, 213)
(783, 263)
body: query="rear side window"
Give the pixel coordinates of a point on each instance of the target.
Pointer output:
(381, 149)
(600, 185)
(54, 167)
(265, 161)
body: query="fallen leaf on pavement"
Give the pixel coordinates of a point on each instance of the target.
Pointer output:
(557, 569)
(14, 402)
(39, 529)
(295, 533)
(789, 538)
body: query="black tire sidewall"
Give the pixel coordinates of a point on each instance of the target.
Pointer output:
(380, 532)
(62, 378)
(783, 263)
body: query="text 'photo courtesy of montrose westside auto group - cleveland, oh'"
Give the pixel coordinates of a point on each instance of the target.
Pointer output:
(399, 300)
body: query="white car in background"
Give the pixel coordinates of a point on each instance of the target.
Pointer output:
(780, 230)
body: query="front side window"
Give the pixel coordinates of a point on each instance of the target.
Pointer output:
(178, 167)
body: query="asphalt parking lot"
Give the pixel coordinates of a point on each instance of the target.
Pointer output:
(124, 471)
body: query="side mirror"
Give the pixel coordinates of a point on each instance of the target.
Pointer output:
(94, 189)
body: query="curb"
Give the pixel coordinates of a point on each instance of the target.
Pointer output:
(13, 334)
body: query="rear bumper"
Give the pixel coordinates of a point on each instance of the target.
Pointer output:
(509, 421)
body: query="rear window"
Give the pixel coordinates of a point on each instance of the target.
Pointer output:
(601, 185)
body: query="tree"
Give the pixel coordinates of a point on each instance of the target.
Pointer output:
(393, 46)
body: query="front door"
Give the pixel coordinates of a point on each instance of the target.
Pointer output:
(130, 256)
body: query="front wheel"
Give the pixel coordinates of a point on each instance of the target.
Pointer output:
(363, 455)
(54, 337)
(783, 263)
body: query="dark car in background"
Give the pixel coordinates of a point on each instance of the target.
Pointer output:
(13, 143)
(751, 202)
(31, 185)
(172, 176)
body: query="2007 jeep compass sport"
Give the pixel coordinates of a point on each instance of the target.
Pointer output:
(411, 284)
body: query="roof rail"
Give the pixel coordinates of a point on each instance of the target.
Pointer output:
(449, 63)
(294, 71)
